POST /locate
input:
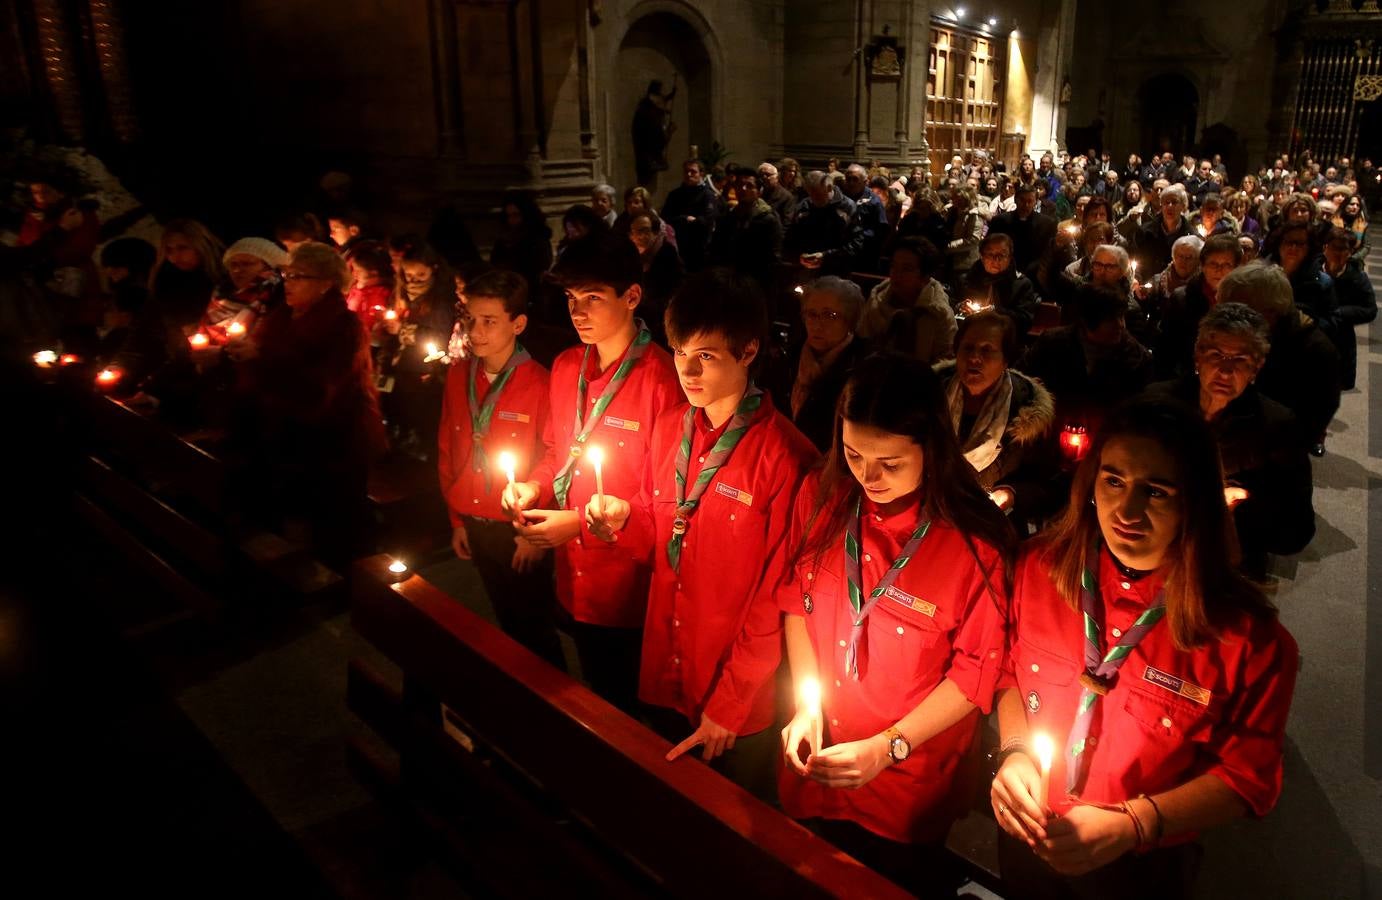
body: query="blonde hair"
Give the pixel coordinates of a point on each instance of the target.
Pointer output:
(209, 249)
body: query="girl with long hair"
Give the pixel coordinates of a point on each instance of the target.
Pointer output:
(1149, 681)
(894, 588)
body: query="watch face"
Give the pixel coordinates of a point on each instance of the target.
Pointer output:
(900, 748)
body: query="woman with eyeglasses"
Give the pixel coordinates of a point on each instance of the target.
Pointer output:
(1266, 468)
(1153, 678)
(830, 310)
(1175, 341)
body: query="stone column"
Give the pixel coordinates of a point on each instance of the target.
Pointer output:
(1055, 46)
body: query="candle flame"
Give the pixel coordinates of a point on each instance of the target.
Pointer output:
(391, 315)
(595, 455)
(198, 340)
(811, 695)
(108, 376)
(431, 349)
(507, 463)
(1044, 748)
(799, 289)
(398, 567)
(235, 329)
(69, 359)
(46, 357)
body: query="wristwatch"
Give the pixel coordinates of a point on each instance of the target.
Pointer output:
(899, 748)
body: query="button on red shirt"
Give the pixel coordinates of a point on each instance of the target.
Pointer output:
(520, 415)
(600, 583)
(713, 634)
(940, 620)
(1171, 715)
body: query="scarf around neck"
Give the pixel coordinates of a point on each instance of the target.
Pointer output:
(983, 444)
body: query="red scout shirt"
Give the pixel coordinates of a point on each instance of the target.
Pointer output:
(713, 635)
(600, 583)
(1171, 715)
(939, 620)
(520, 416)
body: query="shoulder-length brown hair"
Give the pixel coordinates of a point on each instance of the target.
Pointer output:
(1204, 589)
(209, 248)
(902, 395)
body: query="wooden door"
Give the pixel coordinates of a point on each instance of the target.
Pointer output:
(964, 94)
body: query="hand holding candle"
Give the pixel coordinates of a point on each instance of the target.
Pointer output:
(596, 457)
(509, 464)
(198, 341)
(811, 704)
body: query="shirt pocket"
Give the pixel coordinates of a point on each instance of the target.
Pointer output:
(1039, 665)
(1168, 717)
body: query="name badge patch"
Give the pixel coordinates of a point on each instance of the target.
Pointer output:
(506, 416)
(625, 424)
(1176, 685)
(725, 490)
(907, 600)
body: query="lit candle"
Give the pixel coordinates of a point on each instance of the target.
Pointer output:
(45, 358)
(235, 329)
(391, 315)
(1074, 441)
(398, 569)
(1134, 270)
(597, 457)
(508, 464)
(799, 289)
(811, 702)
(1045, 749)
(108, 377)
(198, 341)
(69, 359)
(1234, 495)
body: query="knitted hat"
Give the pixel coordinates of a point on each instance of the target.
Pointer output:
(259, 248)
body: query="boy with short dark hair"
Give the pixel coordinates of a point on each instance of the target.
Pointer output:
(493, 413)
(713, 510)
(605, 394)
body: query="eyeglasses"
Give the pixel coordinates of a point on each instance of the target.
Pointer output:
(300, 276)
(1215, 359)
(1107, 266)
(820, 315)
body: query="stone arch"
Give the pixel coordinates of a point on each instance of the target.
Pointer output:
(664, 37)
(1168, 107)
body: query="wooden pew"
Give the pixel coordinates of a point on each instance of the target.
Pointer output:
(569, 789)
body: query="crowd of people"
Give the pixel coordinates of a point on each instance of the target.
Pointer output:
(869, 454)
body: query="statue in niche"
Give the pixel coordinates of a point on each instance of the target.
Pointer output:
(652, 129)
(884, 57)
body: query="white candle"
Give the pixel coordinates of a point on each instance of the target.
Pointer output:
(198, 341)
(597, 457)
(1044, 748)
(811, 702)
(45, 358)
(507, 463)
(235, 330)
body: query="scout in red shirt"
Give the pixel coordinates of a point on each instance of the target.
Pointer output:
(493, 415)
(607, 393)
(717, 495)
(894, 586)
(1156, 677)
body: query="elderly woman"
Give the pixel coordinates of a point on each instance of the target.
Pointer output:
(1266, 469)
(965, 225)
(910, 311)
(994, 283)
(1245, 213)
(1301, 371)
(309, 413)
(1184, 265)
(1080, 270)
(253, 289)
(1002, 418)
(662, 268)
(1153, 245)
(830, 309)
(1181, 315)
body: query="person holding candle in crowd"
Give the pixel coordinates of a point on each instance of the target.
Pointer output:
(909, 311)
(495, 410)
(1260, 443)
(718, 487)
(1180, 317)
(608, 392)
(1002, 418)
(372, 281)
(1153, 242)
(995, 283)
(416, 344)
(254, 288)
(894, 588)
(1161, 674)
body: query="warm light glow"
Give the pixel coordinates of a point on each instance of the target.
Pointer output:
(811, 696)
(959, 12)
(108, 376)
(976, 306)
(799, 289)
(45, 358)
(1074, 441)
(198, 340)
(993, 22)
(70, 359)
(235, 329)
(1234, 495)
(1045, 749)
(508, 464)
(1201, 230)
(391, 315)
(398, 567)
(1072, 230)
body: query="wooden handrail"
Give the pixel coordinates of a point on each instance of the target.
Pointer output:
(682, 822)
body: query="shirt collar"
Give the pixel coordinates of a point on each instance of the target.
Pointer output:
(1114, 586)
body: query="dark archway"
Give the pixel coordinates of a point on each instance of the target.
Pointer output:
(656, 47)
(1169, 108)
